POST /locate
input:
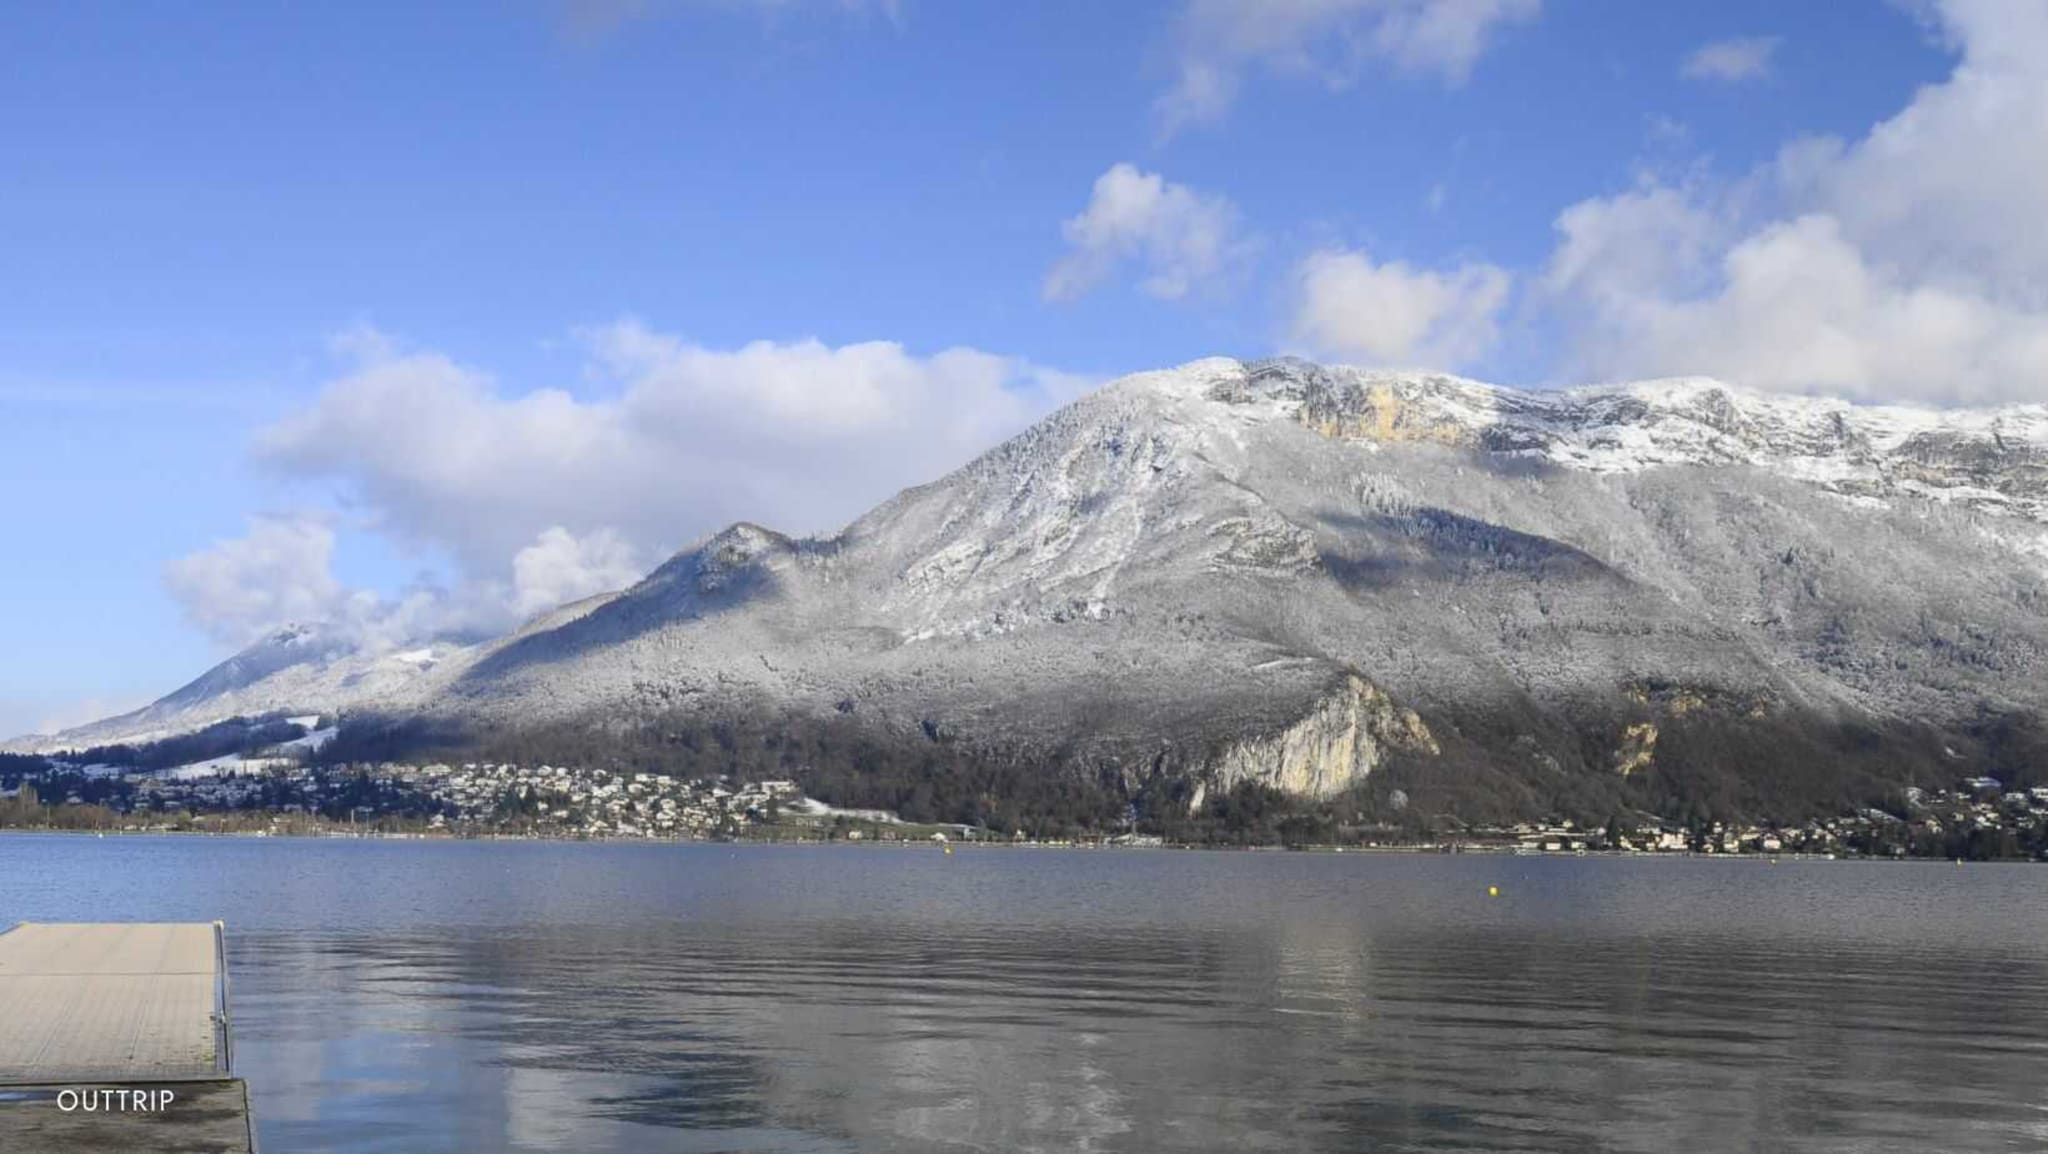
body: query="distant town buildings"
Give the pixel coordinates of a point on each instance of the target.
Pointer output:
(1978, 818)
(473, 797)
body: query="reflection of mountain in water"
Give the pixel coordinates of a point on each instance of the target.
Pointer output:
(1016, 1000)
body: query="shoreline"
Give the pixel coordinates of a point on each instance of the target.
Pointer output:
(1464, 850)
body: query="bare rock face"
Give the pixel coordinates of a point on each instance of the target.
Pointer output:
(1381, 412)
(1638, 749)
(1332, 748)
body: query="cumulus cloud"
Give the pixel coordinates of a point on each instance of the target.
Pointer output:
(549, 496)
(559, 568)
(1654, 242)
(1731, 61)
(1911, 263)
(1352, 309)
(281, 570)
(1331, 40)
(1181, 238)
(1951, 188)
(1799, 307)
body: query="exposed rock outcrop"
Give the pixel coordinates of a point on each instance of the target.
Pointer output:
(1638, 748)
(1332, 748)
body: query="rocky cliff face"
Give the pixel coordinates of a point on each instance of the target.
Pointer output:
(1329, 750)
(1993, 460)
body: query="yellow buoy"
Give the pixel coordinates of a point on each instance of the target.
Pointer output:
(1493, 891)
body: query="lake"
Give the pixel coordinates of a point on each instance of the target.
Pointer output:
(621, 997)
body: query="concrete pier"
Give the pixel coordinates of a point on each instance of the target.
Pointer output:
(117, 1036)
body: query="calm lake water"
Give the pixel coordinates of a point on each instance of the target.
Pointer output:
(532, 996)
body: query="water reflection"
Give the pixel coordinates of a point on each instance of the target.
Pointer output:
(602, 999)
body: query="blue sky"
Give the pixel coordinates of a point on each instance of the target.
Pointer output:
(423, 316)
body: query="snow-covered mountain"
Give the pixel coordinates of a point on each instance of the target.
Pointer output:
(297, 669)
(1301, 575)
(1296, 574)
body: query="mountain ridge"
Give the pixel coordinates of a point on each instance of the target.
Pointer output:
(1164, 580)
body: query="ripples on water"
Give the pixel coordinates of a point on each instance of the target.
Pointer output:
(444, 996)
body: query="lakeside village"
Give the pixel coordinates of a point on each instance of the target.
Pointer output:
(277, 795)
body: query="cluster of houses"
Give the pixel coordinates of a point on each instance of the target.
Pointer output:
(1719, 837)
(1982, 804)
(1933, 824)
(1979, 817)
(590, 802)
(245, 790)
(474, 798)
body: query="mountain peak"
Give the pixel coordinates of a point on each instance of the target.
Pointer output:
(291, 633)
(711, 560)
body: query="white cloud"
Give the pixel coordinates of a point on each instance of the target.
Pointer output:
(1951, 188)
(545, 497)
(548, 496)
(1731, 61)
(1352, 309)
(280, 571)
(1802, 309)
(1332, 40)
(559, 568)
(1181, 237)
(1606, 252)
(1909, 264)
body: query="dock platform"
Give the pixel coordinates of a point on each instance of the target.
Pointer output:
(117, 1036)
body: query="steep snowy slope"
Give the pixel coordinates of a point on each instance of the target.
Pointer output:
(297, 669)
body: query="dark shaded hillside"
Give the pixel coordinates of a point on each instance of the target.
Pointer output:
(1498, 765)
(238, 735)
